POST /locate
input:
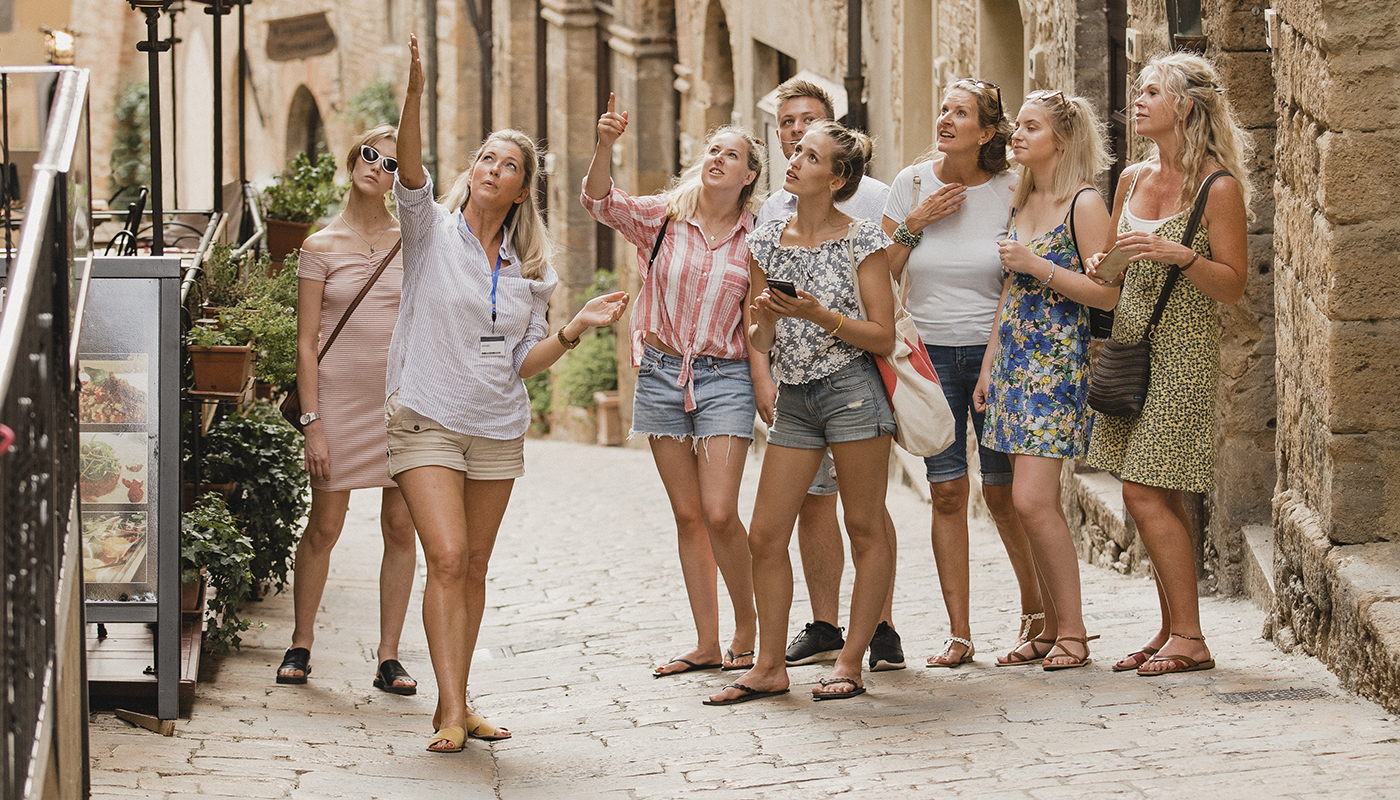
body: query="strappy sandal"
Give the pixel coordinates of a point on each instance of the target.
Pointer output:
(1187, 663)
(1027, 622)
(1076, 661)
(454, 736)
(477, 727)
(387, 678)
(297, 658)
(1135, 660)
(942, 659)
(1016, 658)
(856, 689)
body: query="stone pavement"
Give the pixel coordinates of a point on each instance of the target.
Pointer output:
(585, 596)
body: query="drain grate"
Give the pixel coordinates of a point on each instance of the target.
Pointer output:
(1239, 698)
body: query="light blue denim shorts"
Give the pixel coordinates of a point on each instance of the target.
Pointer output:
(824, 484)
(848, 405)
(724, 403)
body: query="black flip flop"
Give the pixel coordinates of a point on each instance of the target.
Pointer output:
(295, 658)
(748, 694)
(857, 690)
(733, 657)
(390, 671)
(690, 666)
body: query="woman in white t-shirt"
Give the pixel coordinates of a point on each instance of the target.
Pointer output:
(946, 214)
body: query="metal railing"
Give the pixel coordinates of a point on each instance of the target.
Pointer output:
(43, 690)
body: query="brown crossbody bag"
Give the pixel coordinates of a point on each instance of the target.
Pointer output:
(291, 404)
(1118, 384)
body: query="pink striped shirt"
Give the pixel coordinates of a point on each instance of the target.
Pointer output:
(693, 299)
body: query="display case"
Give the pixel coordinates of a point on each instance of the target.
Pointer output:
(129, 453)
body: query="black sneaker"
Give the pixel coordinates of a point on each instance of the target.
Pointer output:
(885, 650)
(819, 641)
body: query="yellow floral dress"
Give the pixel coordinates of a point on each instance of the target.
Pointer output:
(1172, 443)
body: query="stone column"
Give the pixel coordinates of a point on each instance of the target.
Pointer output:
(1337, 287)
(643, 44)
(513, 103)
(571, 55)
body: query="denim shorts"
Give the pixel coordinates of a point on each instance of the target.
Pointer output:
(724, 404)
(824, 484)
(958, 369)
(848, 405)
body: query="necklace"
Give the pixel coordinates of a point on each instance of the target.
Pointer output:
(368, 243)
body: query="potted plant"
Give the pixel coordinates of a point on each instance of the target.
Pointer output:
(263, 455)
(221, 356)
(302, 194)
(584, 373)
(212, 546)
(221, 284)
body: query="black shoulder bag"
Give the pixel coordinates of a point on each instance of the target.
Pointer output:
(1119, 381)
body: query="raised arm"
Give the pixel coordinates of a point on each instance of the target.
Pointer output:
(410, 143)
(611, 126)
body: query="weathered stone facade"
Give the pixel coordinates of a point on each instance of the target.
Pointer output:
(1338, 559)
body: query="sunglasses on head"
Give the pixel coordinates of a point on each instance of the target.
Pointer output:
(369, 155)
(1001, 111)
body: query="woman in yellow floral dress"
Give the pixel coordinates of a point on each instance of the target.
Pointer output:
(1169, 448)
(1035, 375)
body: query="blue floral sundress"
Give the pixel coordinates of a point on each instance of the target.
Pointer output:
(1036, 400)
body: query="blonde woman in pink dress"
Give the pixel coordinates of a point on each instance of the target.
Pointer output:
(346, 444)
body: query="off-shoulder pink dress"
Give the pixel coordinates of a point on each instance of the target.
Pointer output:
(350, 380)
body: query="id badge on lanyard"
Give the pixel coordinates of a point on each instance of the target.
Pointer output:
(494, 346)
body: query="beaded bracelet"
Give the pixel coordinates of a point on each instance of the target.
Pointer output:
(906, 237)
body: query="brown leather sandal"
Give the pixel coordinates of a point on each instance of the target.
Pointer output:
(1135, 660)
(1076, 661)
(1016, 658)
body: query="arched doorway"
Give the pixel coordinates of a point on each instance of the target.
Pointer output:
(717, 69)
(1001, 50)
(306, 131)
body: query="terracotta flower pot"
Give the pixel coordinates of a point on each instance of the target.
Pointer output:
(221, 369)
(283, 237)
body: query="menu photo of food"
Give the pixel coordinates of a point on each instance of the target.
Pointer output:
(114, 547)
(113, 389)
(112, 467)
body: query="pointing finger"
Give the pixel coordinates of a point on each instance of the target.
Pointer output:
(612, 102)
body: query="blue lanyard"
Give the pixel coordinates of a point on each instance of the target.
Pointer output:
(495, 277)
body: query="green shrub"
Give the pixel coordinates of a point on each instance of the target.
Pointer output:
(376, 104)
(131, 141)
(541, 390)
(304, 192)
(590, 367)
(260, 452)
(209, 538)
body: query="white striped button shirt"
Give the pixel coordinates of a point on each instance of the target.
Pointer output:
(693, 298)
(435, 360)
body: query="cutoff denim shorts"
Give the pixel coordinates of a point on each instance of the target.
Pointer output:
(824, 484)
(958, 369)
(848, 405)
(724, 404)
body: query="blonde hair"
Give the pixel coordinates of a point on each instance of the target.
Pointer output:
(369, 137)
(793, 88)
(528, 234)
(683, 195)
(990, 114)
(1207, 123)
(850, 154)
(1079, 133)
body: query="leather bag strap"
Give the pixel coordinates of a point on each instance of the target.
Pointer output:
(1074, 237)
(356, 302)
(1187, 238)
(656, 248)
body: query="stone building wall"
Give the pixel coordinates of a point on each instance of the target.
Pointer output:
(1338, 283)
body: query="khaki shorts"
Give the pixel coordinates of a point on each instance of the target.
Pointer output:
(416, 441)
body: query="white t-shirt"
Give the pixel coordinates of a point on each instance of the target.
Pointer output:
(955, 275)
(867, 203)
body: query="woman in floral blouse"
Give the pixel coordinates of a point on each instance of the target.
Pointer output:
(1035, 376)
(830, 394)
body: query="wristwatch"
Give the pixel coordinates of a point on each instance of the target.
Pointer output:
(308, 418)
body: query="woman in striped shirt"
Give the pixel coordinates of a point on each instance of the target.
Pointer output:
(472, 325)
(695, 389)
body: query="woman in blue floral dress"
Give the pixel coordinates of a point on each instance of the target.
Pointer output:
(1035, 376)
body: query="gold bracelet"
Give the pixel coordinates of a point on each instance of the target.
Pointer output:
(839, 323)
(569, 344)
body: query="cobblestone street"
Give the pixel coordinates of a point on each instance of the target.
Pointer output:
(585, 596)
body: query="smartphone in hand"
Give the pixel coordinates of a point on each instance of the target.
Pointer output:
(1110, 269)
(785, 287)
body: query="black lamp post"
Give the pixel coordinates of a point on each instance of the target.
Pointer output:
(153, 47)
